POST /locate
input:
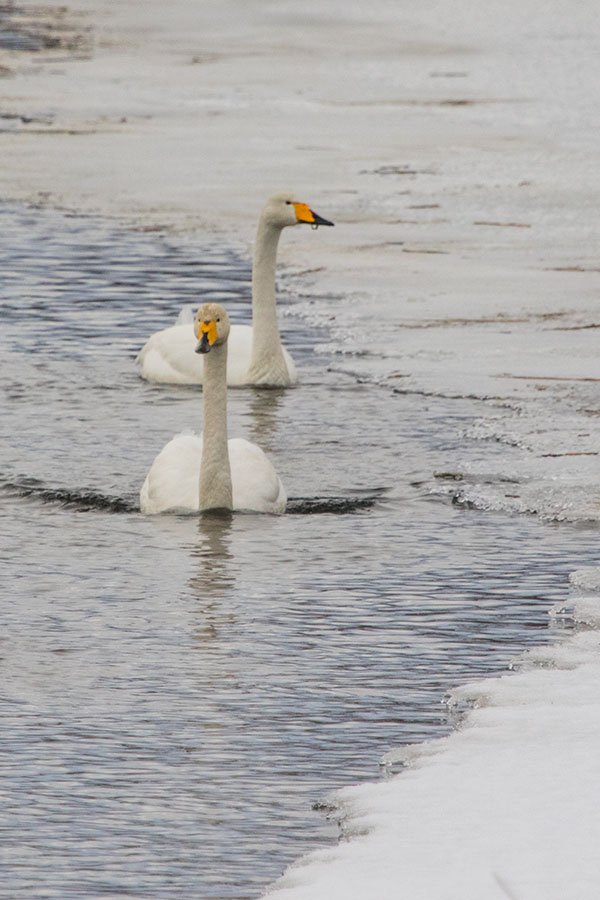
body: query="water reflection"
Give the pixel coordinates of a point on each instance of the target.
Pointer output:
(214, 575)
(264, 407)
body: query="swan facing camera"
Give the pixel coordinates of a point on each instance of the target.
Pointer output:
(203, 345)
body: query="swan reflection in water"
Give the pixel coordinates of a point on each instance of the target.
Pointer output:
(214, 573)
(263, 414)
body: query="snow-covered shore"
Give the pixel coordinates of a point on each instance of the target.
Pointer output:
(507, 806)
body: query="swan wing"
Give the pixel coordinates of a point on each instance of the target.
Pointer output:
(256, 484)
(172, 484)
(169, 357)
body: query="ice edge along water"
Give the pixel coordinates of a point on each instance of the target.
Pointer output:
(506, 806)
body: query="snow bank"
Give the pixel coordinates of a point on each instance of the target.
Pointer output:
(507, 806)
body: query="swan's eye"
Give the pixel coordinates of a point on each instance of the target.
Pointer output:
(218, 320)
(288, 202)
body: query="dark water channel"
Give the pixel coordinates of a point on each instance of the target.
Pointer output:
(177, 693)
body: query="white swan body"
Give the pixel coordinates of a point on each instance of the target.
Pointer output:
(172, 484)
(168, 357)
(256, 355)
(195, 473)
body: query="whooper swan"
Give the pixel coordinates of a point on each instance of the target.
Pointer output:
(255, 352)
(194, 473)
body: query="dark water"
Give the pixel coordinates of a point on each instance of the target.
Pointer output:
(177, 693)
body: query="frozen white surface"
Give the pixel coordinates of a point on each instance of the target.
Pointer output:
(507, 806)
(455, 146)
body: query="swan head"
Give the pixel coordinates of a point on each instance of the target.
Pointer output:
(211, 327)
(285, 209)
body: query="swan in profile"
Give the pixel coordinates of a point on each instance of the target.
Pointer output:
(255, 352)
(193, 473)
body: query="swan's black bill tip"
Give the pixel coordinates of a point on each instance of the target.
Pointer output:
(203, 345)
(319, 220)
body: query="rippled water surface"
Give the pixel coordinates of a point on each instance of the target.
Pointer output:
(178, 692)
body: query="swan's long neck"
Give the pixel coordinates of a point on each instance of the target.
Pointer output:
(267, 362)
(215, 491)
